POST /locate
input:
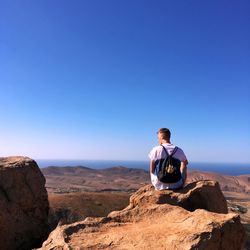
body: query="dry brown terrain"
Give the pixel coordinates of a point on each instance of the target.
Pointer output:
(196, 219)
(76, 179)
(72, 207)
(238, 184)
(79, 192)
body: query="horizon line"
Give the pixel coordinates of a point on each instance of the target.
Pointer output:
(119, 160)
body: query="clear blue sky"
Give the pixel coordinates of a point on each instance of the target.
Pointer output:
(96, 79)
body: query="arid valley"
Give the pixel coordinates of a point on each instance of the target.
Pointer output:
(117, 208)
(79, 192)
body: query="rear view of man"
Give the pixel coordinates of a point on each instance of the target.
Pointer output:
(161, 152)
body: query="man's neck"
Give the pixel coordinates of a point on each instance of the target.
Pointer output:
(164, 141)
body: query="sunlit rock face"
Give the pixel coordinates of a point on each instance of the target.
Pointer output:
(23, 204)
(184, 219)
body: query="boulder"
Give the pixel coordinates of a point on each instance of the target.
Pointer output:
(23, 204)
(200, 194)
(157, 220)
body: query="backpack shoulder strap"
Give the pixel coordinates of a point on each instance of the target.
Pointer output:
(174, 151)
(165, 150)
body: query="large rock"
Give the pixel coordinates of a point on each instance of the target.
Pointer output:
(201, 194)
(23, 204)
(150, 223)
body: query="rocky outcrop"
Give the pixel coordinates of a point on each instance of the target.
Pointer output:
(23, 204)
(158, 220)
(201, 194)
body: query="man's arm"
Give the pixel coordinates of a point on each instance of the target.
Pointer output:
(184, 170)
(152, 166)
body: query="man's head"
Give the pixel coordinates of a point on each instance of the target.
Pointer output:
(164, 135)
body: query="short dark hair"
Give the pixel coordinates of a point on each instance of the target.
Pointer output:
(166, 134)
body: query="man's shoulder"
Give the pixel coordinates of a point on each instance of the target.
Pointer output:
(180, 154)
(179, 148)
(156, 148)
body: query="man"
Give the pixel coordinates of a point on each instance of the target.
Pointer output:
(158, 153)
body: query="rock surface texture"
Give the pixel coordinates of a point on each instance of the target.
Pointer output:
(201, 194)
(158, 220)
(23, 204)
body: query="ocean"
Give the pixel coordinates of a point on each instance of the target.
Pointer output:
(222, 168)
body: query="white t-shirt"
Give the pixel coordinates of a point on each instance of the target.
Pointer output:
(158, 153)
